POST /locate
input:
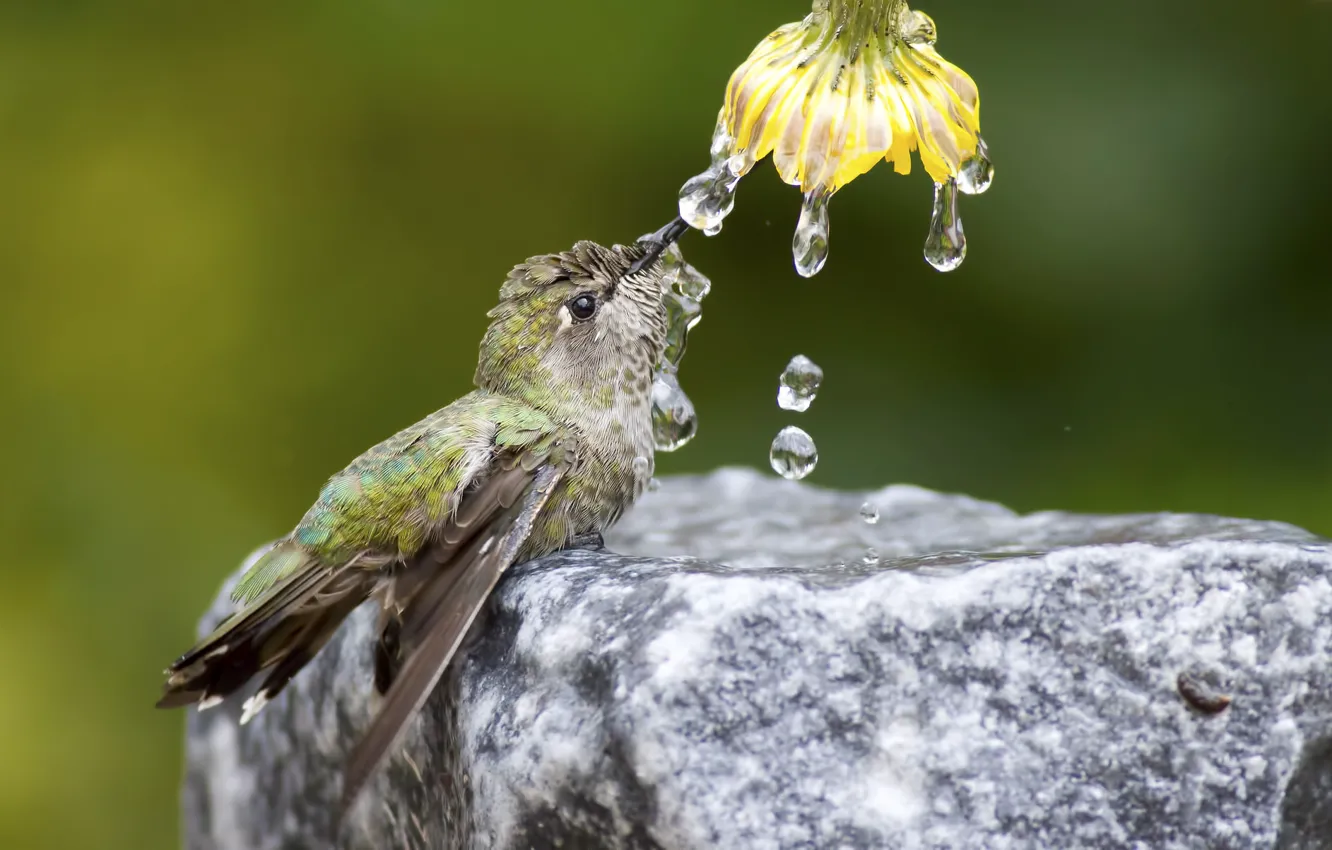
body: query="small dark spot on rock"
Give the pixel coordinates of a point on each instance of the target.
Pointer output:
(1200, 696)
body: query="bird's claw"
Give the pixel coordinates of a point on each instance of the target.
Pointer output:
(592, 541)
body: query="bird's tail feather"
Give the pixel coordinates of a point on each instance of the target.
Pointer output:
(280, 630)
(436, 621)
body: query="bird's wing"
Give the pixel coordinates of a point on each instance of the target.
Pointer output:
(500, 516)
(428, 489)
(398, 496)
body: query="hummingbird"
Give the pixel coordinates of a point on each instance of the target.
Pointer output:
(547, 452)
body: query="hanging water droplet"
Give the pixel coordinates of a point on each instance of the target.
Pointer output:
(642, 468)
(946, 246)
(976, 173)
(793, 454)
(869, 512)
(799, 384)
(918, 28)
(674, 421)
(720, 147)
(810, 245)
(706, 199)
(681, 316)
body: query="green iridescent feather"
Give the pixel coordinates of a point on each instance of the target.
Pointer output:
(390, 498)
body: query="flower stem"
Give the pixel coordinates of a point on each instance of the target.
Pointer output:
(858, 20)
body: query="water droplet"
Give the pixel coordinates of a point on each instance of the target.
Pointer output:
(810, 245)
(654, 485)
(799, 384)
(678, 275)
(706, 199)
(720, 147)
(871, 556)
(946, 246)
(918, 28)
(869, 512)
(674, 421)
(693, 284)
(670, 262)
(681, 316)
(793, 454)
(642, 467)
(976, 173)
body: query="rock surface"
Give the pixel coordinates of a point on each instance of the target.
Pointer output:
(987, 680)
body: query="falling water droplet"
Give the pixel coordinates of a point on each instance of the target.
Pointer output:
(642, 468)
(793, 454)
(810, 245)
(654, 485)
(799, 384)
(682, 314)
(976, 173)
(674, 422)
(918, 28)
(869, 512)
(946, 246)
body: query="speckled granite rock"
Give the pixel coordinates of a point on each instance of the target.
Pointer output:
(988, 681)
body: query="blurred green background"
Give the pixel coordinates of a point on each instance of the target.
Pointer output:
(241, 242)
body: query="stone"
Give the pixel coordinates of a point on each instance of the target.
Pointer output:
(737, 670)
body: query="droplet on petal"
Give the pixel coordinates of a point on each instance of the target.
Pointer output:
(976, 173)
(706, 199)
(810, 245)
(722, 140)
(918, 28)
(946, 246)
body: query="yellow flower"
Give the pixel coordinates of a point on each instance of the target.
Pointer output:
(855, 82)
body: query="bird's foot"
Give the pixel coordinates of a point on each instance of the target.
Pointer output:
(592, 541)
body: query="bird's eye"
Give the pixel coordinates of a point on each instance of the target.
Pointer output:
(583, 307)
